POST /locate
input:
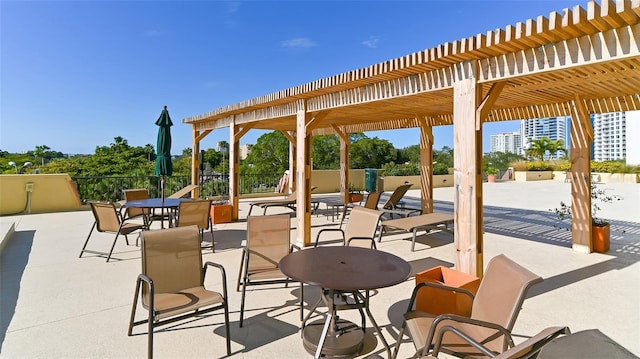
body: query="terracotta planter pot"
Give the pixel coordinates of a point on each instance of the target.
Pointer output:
(355, 197)
(221, 213)
(491, 178)
(601, 238)
(437, 301)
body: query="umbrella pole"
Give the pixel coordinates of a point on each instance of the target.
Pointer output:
(162, 184)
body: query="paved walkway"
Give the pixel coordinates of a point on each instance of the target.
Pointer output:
(55, 305)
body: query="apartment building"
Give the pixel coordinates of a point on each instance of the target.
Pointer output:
(507, 142)
(554, 128)
(609, 136)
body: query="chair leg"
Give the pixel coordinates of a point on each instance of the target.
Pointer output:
(87, 241)
(301, 301)
(213, 242)
(399, 341)
(244, 286)
(133, 308)
(113, 246)
(226, 325)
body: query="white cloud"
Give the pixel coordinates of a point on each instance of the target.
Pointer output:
(299, 42)
(371, 42)
(233, 7)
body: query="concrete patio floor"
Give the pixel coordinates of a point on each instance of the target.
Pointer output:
(55, 305)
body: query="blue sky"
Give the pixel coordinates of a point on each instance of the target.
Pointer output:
(76, 74)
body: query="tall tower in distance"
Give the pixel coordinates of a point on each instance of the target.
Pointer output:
(507, 142)
(609, 136)
(554, 128)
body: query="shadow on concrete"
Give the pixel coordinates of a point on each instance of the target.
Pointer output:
(13, 261)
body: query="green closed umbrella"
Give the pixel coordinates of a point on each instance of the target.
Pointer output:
(164, 166)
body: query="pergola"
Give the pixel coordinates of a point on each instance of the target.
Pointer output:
(574, 63)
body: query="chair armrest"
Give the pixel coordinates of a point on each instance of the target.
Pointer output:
(373, 241)
(463, 336)
(152, 291)
(328, 230)
(294, 246)
(437, 286)
(500, 331)
(223, 274)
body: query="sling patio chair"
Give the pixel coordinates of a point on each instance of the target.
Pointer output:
(494, 311)
(196, 212)
(371, 202)
(360, 232)
(143, 213)
(172, 281)
(108, 220)
(268, 241)
(528, 349)
(289, 201)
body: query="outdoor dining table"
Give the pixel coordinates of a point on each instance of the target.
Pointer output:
(343, 269)
(154, 203)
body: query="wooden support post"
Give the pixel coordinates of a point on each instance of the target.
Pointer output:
(581, 139)
(467, 141)
(195, 163)
(426, 166)
(234, 170)
(344, 163)
(303, 175)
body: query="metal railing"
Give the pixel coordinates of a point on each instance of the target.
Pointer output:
(110, 188)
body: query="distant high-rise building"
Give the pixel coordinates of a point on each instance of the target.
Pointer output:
(632, 120)
(245, 150)
(609, 136)
(554, 128)
(507, 142)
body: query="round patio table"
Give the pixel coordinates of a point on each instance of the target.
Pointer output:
(153, 203)
(343, 269)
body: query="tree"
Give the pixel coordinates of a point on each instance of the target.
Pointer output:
(371, 153)
(41, 151)
(118, 159)
(444, 156)
(270, 154)
(500, 160)
(538, 148)
(409, 154)
(326, 152)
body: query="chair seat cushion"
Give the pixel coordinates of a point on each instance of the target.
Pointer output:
(418, 324)
(170, 304)
(266, 274)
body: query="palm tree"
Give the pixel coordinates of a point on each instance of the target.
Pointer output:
(41, 151)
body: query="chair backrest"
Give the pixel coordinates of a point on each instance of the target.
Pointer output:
(196, 212)
(268, 240)
(502, 291)
(172, 258)
(134, 195)
(372, 200)
(396, 196)
(363, 222)
(106, 215)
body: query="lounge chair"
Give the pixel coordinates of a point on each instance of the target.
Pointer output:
(413, 224)
(184, 191)
(529, 348)
(268, 241)
(172, 281)
(493, 313)
(288, 201)
(392, 205)
(108, 220)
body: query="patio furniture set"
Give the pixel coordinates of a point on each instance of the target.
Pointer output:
(171, 285)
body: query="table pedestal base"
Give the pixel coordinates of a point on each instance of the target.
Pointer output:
(345, 342)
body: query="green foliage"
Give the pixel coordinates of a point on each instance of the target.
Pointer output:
(270, 154)
(613, 167)
(538, 148)
(443, 156)
(500, 160)
(405, 169)
(492, 171)
(371, 153)
(538, 166)
(440, 169)
(598, 196)
(560, 165)
(326, 152)
(409, 154)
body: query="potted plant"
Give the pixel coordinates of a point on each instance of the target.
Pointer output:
(355, 194)
(492, 174)
(600, 228)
